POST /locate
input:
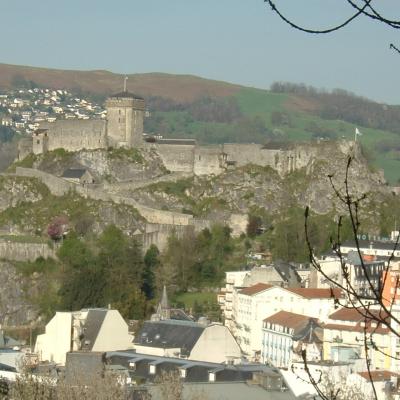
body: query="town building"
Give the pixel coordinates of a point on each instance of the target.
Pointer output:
(286, 335)
(190, 340)
(346, 331)
(93, 329)
(390, 283)
(276, 274)
(253, 304)
(374, 247)
(78, 175)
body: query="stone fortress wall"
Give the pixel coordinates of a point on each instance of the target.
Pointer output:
(176, 157)
(216, 159)
(59, 187)
(71, 135)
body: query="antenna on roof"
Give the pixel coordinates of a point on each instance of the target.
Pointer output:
(125, 79)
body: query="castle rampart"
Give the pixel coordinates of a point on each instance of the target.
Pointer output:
(177, 157)
(71, 135)
(59, 187)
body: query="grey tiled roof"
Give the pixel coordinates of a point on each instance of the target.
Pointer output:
(92, 327)
(170, 334)
(73, 173)
(127, 95)
(196, 371)
(375, 244)
(191, 142)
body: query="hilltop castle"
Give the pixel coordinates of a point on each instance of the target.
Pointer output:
(123, 127)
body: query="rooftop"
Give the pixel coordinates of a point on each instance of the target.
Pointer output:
(378, 375)
(190, 142)
(311, 293)
(170, 334)
(126, 95)
(73, 173)
(355, 314)
(257, 288)
(374, 244)
(288, 319)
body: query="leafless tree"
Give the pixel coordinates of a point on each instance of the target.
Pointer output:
(45, 387)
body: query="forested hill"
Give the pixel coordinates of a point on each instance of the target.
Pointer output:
(217, 112)
(343, 105)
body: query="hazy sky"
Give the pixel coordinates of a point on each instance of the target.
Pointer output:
(240, 41)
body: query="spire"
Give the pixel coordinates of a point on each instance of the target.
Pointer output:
(163, 309)
(164, 299)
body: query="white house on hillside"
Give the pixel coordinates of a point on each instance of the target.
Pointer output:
(86, 330)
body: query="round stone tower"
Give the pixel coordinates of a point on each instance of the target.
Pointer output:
(125, 113)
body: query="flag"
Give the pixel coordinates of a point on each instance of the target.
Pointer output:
(358, 132)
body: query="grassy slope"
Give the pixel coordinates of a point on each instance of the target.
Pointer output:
(255, 102)
(263, 103)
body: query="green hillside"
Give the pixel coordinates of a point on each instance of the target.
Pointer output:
(263, 116)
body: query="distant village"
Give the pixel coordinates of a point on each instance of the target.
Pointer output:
(24, 109)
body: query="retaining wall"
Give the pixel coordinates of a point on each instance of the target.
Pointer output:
(18, 251)
(59, 186)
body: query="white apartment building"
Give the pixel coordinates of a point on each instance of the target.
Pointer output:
(250, 306)
(374, 247)
(233, 280)
(286, 334)
(276, 274)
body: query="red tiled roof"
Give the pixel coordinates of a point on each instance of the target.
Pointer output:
(311, 293)
(356, 328)
(288, 319)
(355, 314)
(257, 288)
(378, 375)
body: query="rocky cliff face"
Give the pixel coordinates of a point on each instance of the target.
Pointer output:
(114, 165)
(14, 190)
(241, 189)
(15, 296)
(27, 207)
